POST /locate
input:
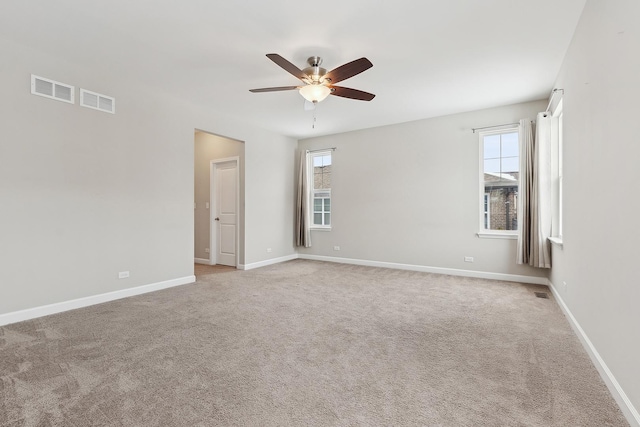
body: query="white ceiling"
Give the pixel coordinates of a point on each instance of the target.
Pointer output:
(430, 58)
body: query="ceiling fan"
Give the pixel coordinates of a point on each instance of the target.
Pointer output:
(318, 83)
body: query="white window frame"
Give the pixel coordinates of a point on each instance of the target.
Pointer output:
(486, 211)
(486, 233)
(323, 211)
(313, 191)
(557, 150)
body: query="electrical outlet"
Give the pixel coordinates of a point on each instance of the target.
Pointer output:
(564, 287)
(269, 250)
(336, 248)
(123, 275)
(468, 259)
(206, 205)
(206, 250)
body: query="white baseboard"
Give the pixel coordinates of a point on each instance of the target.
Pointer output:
(45, 310)
(202, 261)
(267, 262)
(627, 408)
(427, 269)
(439, 270)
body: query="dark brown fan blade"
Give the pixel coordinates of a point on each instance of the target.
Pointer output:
(273, 89)
(346, 92)
(286, 65)
(350, 69)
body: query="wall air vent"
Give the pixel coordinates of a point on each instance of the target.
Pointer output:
(97, 101)
(52, 89)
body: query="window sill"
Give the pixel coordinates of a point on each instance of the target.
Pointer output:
(320, 228)
(488, 235)
(556, 241)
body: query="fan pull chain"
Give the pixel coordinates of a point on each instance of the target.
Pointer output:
(313, 125)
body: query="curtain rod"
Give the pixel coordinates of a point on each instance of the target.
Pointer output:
(496, 126)
(553, 93)
(322, 149)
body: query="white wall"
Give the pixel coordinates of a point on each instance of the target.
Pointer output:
(600, 76)
(85, 194)
(409, 194)
(213, 147)
(270, 200)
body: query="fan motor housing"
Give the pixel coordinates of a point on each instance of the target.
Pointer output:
(315, 72)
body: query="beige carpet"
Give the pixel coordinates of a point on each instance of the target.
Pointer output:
(306, 344)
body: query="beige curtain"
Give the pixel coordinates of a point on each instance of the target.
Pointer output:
(535, 192)
(526, 189)
(303, 235)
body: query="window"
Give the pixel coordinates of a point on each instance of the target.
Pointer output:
(487, 212)
(321, 189)
(499, 181)
(556, 167)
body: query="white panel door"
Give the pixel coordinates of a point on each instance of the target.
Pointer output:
(226, 215)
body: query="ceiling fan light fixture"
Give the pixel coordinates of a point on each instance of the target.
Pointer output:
(315, 92)
(318, 83)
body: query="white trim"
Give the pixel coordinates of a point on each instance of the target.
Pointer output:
(320, 228)
(497, 235)
(202, 261)
(556, 227)
(515, 128)
(322, 212)
(45, 310)
(438, 270)
(629, 411)
(423, 268)
(310, 155)
(486, 211)
(267, 262)
(556, 241)
(213, 241)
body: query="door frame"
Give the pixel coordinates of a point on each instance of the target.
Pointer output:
(213, 241)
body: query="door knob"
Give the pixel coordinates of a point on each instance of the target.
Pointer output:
(217, 219)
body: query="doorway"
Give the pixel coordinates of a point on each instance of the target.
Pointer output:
(224, 237)
(213, 245)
